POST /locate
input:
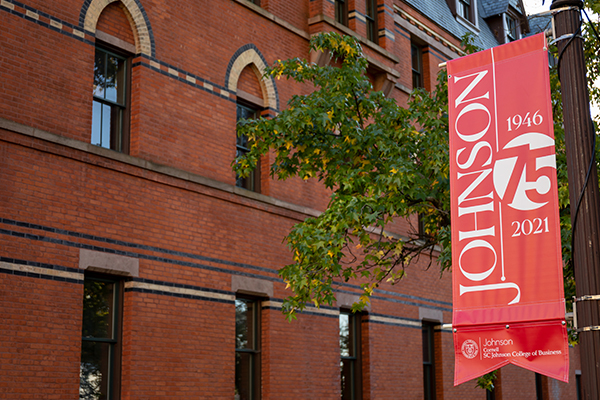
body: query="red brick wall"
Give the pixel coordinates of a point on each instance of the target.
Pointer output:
(40, 339)
(113, 21)
(58, 197)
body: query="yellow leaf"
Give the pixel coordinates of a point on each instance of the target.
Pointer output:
(393, 171)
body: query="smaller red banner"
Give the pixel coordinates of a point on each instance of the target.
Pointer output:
(540, 347)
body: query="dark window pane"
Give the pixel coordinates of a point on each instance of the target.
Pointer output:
(116, 123)
(341, 12)
(428, 361)
(98, 303)
(464, 9)
(247, 356)
(347, 373)
(243, 147)
(94, 373)
(417, 70)
(426, 354)
(99, 73)
(371, 19)
(243, 375)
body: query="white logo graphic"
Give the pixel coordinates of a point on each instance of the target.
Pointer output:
(469, 349)
(504, 168)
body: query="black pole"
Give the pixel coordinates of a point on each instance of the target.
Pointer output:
(579, 140)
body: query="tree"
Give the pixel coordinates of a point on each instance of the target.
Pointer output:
(381, 162)
(379, 167)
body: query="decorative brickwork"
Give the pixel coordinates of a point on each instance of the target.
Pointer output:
(250, 55)
(144, 41)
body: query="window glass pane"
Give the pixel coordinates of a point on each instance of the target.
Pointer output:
(244, 324)
(426, 341)
(371, 9)
(242, 143)
(112, 67)
(94, 370)
(120, 80)
(243, 376)
(345, 336)
(106, 126)
(98, 303)
(347, 373)
(96, 123)
(99, 73)
(415, 58)
(340, 11)
(116, 117)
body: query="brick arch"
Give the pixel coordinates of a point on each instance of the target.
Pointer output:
(142, 31)
(249, 55)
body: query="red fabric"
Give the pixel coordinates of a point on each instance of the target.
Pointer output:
(506, 253)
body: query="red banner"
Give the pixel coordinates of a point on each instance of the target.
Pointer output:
(506, 254)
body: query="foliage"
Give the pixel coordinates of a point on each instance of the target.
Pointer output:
(381, 162)
(487, 381)
(365, 149)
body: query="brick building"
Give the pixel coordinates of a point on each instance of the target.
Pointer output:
(134, 265)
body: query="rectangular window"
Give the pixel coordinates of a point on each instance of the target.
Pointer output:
(109, 116)
(252, 181)
(417, 66)
(247, 349)
(464, 9)
(511, 28)
(371, 18)
(341, 12)
(428, 360)
(350, 352)
(100, 347)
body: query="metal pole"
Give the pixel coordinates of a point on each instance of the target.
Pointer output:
(579, 138)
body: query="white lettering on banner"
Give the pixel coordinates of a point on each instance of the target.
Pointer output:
(493, 286)
(461, 97)
(473, 204)
(473, 154)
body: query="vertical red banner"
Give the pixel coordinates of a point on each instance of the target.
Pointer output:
(506, 254)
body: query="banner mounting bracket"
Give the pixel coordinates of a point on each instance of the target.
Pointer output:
(579, 299)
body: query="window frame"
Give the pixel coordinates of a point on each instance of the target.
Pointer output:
(115, 343)
(508, 33)
(462, 6)
(371, 20)
(341, 12)
(471, 22)
(120, 143)
(255, 351)
(355, 356)
(417, 73)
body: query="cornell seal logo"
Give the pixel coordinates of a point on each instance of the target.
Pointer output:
(469, 349)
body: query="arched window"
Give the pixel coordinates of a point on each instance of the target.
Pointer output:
(250, 104)
(115, 46)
